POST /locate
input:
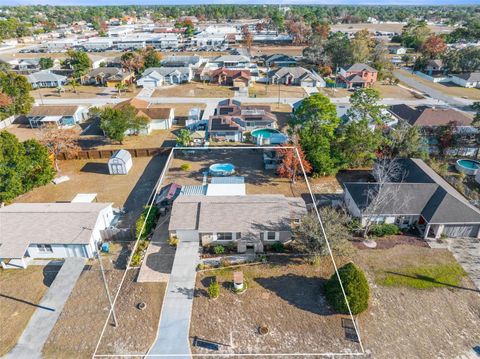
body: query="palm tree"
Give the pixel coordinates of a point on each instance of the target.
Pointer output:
(74, 84)
(59, 90)
(184, 138)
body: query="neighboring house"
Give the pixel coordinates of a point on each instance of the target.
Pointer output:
(397, 50)
(250, 222)
(423, 199)
(109, 76)
(236, 62)
(235, 78)
(468, 79)
(161, 118)
(160, 76)
(223, 128)
(426, 116)
(358, 75)
(297, 76)
(58, 115)
(26, 66)
(434, 71)
(279, 60)
(51, 230)
(46, 78)
(182, 61)
(434, 66)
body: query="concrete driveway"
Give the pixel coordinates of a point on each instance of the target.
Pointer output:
(173, 331)
(41, 323)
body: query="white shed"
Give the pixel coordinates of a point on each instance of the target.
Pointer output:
(120, 163)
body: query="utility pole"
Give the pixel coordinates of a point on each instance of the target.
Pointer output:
(106, 289)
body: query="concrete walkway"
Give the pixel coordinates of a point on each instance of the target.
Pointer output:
(41, 323)
(173, 331)
(158, 262)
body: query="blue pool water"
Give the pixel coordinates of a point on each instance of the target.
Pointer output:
(473, 165)
(265, 132)
(222, 168)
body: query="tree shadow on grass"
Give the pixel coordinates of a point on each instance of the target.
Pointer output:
(429, 279)
(302, 292)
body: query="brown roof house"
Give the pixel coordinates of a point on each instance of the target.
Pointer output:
(161, 118)
(426, 116)
(250, 222)
(227, 77)
(60, 116)
(358, 75)
(109, 76)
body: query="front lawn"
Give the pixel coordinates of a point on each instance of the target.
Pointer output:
(424, 277)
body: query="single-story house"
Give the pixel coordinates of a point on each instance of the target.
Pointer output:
(423, 199)
(160, 118)
(296, 76)
(159, 76)
(251, 222)
(235, 78)
(109, 76)
(46, 78)
(223, 128)
(434, 66)
(468, 79)
(51, 230)
(397, 50)
(426, 116)
(25, 66)
(59, 115)
(279, 60)
(182, 61)
(358, 75)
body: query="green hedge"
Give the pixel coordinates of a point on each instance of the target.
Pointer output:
(385, 229)
(149, 223)
(356, 289)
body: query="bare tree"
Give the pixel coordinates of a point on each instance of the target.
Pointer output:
(388, 174)
(60, 141)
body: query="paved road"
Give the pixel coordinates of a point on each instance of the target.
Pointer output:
(31, 342)
(173, 331)
(433, 93)
(212, 101)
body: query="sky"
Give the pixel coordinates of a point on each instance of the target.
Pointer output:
(257, 2)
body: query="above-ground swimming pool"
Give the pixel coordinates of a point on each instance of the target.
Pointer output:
(222, 169)
(469, 167)
(269, 136)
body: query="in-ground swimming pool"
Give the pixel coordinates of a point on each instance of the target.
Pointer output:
(222, 169)
(469, 167)
(268, 136)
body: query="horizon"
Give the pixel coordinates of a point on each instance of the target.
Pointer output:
(93, 3)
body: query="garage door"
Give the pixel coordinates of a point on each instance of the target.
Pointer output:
(149, 83)
(461, 231)
(187, 235)
(307, 84)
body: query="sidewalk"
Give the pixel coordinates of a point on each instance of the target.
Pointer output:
(41, 323)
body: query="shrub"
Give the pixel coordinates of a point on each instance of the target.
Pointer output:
(219, 249)
(173, 241)
(185, 167)
(356, 289)
(136, 259)
(214, 289)
(278, 247)
(149, 223)
(385, 229)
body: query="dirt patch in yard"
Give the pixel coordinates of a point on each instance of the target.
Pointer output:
(276, 91)
(78, 329)
(272, 49)
(404, 322)
(286, 297)
(194, 89)
(83, 92)
(20, 291)
(393, 91)
(130, 191)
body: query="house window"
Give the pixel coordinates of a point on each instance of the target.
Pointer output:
(45, 248)
(271, 236)
(224, 236)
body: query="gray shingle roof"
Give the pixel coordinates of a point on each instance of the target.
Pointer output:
(469, 76)
(296, 72)
(164, 71)
(246, 214)
(45, 76)
(23, 224)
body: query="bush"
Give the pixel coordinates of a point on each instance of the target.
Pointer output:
(385, 229)
(214, 289)
(356, 289)
(173, 241)
(149, 223)
(185, 167)
(219, 249)
(278, 247)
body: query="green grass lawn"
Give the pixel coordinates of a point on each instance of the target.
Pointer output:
(434, 276)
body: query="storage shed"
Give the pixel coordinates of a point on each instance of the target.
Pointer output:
(120, 163)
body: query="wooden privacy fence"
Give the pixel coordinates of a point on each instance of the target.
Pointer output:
(97, 154)
(118, 234)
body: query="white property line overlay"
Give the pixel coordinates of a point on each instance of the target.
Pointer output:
(151, 198)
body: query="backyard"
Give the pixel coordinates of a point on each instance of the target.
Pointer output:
(91, 176)
(20, 293)
(276, 91)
